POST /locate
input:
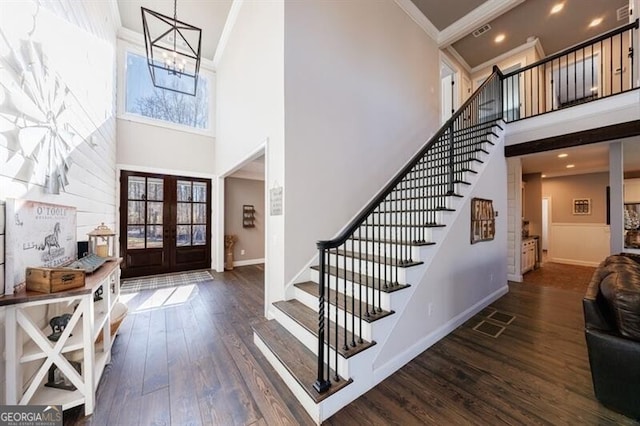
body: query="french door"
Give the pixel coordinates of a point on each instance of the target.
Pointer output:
(164, 223)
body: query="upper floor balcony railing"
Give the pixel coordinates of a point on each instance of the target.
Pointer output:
(592, 70)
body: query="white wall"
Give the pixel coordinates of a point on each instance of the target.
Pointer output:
(451, 289)
(361, 95)
(145, 145)
(249, 246)
(85, 77)
(250, 113)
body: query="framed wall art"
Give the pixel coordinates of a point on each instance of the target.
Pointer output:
(483, 220)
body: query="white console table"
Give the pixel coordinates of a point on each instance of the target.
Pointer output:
(30, 354)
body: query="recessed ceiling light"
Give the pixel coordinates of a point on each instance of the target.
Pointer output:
(557, 8)
(544, 176)
(563, 155)
(595, 22)
(570, 166)
(499, 38)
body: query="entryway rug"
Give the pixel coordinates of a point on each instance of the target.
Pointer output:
(134, 285)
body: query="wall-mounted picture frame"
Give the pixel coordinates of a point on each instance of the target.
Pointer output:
(582, 206)
(483, 220)
(248, 216)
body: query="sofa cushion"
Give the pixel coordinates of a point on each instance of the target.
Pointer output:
(621, 289)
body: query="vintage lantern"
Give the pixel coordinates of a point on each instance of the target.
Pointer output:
(102, 241)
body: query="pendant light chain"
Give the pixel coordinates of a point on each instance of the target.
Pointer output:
(175, 23)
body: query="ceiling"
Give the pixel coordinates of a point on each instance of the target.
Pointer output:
(528, 18)
(208, 15)
(591, 158)
(531, 18)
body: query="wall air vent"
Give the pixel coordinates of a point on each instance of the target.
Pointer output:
(483, 29)
(623, 13)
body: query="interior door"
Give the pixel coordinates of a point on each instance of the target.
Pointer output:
(164, 223)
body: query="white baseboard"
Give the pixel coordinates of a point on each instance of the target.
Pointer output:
(573, 262)
(248, 262)
(426, 342)
(515, 277)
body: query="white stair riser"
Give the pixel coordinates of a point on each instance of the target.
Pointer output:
(312, 302)
(311, 342)
(382, 248)
(402, 233)
(407, 217)
(385, 298)
(370, 268)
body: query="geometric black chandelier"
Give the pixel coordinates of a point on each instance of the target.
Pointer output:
(173, 51)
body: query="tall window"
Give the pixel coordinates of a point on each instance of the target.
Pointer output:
(143, 99)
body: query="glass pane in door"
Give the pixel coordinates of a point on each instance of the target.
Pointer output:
(145, 211)
(183, 235)
(184, 190)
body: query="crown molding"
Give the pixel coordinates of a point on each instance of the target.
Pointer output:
(474, 19)
(515, 51)
(226, 31)
(419, 18)
(455, 55)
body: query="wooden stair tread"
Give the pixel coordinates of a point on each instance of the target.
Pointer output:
(308, 318)
(397, 242)
(311, 288)
(430, 210)
(403, 225)
(375, 258)
(297, 359)
(361, 278)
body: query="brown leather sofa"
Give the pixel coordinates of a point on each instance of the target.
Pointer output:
(612, 329)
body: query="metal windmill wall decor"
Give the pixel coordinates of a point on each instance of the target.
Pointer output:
(173, 51)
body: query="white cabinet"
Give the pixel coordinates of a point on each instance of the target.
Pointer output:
(529, 256)
(87, 336)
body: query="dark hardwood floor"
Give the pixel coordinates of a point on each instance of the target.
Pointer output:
(193, 362)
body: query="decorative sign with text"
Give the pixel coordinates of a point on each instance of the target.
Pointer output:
(38, 234)
(275, 197)
(483, 220)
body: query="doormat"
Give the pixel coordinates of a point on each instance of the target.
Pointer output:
(489, 329)
(134, 285)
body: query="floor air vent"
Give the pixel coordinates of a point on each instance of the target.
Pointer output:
(489, 329)
(502, 317)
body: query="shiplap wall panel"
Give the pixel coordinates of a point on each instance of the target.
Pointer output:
(92, 176)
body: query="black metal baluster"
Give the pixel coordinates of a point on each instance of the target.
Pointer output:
(335, 318)
(353, 293)
(361, 281)
(321, 385)
(344, 294)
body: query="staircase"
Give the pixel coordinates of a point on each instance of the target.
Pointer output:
(324, 341)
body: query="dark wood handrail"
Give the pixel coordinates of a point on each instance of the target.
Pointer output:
(619, 30)
(373, 204)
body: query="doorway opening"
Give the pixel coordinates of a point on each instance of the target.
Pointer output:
(245, 214)
(448, 78)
